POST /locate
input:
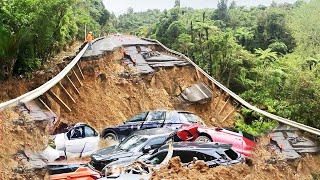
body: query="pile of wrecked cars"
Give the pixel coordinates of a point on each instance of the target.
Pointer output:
(146, 142)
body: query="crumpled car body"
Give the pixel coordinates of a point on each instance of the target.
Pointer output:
(213, 154)
(79, 141)
(138, 144)
(241, 142)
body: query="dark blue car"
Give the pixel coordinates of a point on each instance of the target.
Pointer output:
(149, 120)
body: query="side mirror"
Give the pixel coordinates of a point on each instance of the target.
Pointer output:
(146, 149)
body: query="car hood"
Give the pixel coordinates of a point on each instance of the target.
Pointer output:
(59, 141)
(111, 152)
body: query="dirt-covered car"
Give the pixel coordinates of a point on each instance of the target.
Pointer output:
(138, 144)
(149, 120)
(213, 154)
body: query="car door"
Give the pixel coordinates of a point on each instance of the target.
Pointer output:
(133, 124)
(172, 120)
(155, 119)
(229, 137)
(75, 142)
(91, 141)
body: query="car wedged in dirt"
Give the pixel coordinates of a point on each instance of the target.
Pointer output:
(242, 142)
(138, 144)
(149, 120)
(213, 154)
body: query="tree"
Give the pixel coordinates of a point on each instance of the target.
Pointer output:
(222, 11)
(266, 56)
(279, 47)
(177, 3)
(306, 28)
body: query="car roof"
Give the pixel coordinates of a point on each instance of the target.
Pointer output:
(154, 132)
(179, 111)
(196, 145)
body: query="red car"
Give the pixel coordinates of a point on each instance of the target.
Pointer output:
(241, 142)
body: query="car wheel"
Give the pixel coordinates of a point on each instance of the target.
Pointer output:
(111, 137)
(203, 139)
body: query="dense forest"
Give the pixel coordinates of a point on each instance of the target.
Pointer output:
(32, 31)
(268, 55)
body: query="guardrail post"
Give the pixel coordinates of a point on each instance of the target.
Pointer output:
(219, 99)
(81, 73)
(224, 106)
(77, 78)
(198, 74)
(72, 84)
(66, 91)
(45, 105)
(59, 100)
(230, 113)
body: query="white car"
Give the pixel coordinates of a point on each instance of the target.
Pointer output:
(80, 141)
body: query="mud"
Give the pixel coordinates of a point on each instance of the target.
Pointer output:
(260, 167)
(19, 136)
(110, 100)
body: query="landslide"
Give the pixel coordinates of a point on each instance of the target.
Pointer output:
(17, 133)
(110, 100)
(263, 165)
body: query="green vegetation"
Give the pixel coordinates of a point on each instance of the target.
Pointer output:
(268, 55)
(31, 31)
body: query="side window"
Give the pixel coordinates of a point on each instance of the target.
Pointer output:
(188, 117)
(76, 133)
(139, 117)
(156, 115)
(156, 143)
(89, 132)
(158, 158)
(173, 117)
(187, 156)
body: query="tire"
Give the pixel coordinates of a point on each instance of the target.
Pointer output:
(111, 137)
(203, 139)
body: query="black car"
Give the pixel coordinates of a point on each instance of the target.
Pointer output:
(214, 154)
(149, 120)
(138, 144)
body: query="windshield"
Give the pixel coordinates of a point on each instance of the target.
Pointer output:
(132, 143)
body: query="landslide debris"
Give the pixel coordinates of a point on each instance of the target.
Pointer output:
(110, 100)
(17, 133)
(260, 167)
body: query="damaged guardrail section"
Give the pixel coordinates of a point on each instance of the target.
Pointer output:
(239, 99)
(47, 86)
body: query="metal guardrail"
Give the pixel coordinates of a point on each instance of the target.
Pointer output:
(48, 85)
(239, 99)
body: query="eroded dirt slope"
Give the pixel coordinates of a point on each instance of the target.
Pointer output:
(110, 100)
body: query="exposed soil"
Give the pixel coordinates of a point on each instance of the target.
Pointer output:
(262, 166)
(110, 100)
(17, 134)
